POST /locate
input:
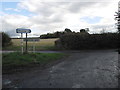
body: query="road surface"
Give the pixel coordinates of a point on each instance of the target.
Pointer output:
(82, 69)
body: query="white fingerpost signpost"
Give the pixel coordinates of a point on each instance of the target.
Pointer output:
(22, 30)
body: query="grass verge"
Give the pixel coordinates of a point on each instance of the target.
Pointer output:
(16, 60)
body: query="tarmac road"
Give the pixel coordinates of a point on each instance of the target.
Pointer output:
(84, 69)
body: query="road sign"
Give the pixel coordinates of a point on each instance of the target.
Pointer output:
(32, 39)
(21, 30)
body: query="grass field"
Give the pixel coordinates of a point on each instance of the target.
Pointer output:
(43, 44)
(16, 60)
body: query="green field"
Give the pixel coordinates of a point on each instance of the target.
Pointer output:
(16, 60)
(43, 44)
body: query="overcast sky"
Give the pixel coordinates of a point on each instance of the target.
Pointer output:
(43, 17)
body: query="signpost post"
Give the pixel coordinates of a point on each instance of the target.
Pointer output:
(26, 43)
(22, 30)
(22, 42)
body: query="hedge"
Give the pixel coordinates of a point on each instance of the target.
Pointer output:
(88, 41)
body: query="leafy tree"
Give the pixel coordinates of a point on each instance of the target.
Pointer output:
(6, 40)
(57, 34)
(84, 30)
(68, 30)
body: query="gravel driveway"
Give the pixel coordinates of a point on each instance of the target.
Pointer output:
(82, 69)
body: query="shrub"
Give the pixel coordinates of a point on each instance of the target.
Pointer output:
(6, 40)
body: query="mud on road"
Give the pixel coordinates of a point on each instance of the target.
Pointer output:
(82, 69)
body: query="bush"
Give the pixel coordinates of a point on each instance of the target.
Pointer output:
(6, 40)
(88, 41)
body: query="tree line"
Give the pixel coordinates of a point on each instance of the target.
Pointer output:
(76, 40)
(58, 34)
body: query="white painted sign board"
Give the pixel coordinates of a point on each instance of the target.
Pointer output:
(32, 39)
(21, 30)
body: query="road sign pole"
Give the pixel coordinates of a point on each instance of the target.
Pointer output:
(34, 46)
(26, 43)
(22, 43)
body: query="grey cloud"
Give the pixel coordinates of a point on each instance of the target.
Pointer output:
(8, 28)
(102, 26)
(107, 28)
(12, 33)
(45, 8)
(49, 8)
(49, 16)
(57, 18)
(76, 7)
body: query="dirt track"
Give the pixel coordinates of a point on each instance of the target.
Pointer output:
(84, 69)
